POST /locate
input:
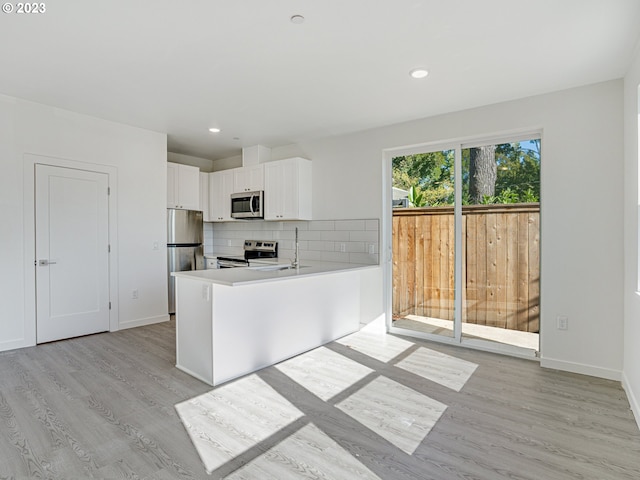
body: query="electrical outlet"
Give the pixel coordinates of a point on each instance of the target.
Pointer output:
(205, 292)
(372, 249)
(343, 247)
(156, 246)
(134, 294)
(563, 322)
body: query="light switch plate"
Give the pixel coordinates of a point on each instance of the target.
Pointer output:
(563, 322)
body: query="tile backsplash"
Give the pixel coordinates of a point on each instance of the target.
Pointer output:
(347, 241)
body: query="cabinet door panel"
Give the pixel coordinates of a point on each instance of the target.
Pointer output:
(290, 193)
(287, 185)
(248, 179)
(273, 201)
(183, 186)
(221, 186)
(189, 187)
(172, 174)
(204, 197)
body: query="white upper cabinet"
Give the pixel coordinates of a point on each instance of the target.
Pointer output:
(248, 179)
(172, 178)
(220, 189)
(183, 186)
(287, 189)
(204, 197)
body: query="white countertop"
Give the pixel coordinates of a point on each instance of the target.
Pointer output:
(246, 276)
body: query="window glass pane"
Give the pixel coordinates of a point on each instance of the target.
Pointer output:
(501, 236)
(501, 174)
(424, 242)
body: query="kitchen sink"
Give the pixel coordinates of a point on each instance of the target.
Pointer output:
(275, 268)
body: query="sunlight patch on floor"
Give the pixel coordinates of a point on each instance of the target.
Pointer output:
(448, 371)
(397, 413)
(308, 453)
(323, 372)
(229, 420)
(382, 347)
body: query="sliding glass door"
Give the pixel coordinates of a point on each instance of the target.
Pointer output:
(424, 242)
(465, 243)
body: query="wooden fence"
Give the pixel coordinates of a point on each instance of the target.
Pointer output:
(501, 264)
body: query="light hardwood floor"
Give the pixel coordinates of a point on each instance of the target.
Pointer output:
(102, 406)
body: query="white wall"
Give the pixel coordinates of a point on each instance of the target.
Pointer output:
(138, 158)
(581, 222)
(227, 163)
(631, 370)
(582, 200)
(204, 164)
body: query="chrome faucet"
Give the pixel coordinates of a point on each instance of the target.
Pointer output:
(295, 263)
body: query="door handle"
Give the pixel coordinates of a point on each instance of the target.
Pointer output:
(44, 263)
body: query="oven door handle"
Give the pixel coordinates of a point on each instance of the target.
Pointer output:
(230, 264)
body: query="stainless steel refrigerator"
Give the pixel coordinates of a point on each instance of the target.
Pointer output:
(184, 246)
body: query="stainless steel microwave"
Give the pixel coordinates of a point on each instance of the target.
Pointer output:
(247, 205)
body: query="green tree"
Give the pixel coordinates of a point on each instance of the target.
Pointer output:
(483, 173)
(516, 166)
(519, 170)
(431, 173)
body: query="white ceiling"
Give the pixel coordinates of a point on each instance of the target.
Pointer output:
(181, 67)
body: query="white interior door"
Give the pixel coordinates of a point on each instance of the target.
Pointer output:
(72, 257)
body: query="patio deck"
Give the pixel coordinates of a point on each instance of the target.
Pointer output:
(439, 326)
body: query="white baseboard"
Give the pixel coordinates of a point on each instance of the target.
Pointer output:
(633, 400)
(581, 368)
(140, 322)
(15, 344)
(23, 343)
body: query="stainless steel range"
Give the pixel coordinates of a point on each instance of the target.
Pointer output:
(253, 250)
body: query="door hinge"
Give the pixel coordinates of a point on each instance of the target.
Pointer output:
(109, 305)
(109, 248)
(108, 190)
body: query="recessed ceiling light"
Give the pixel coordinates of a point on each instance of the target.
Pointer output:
(297, 19)
(419, 73)
(214, 130)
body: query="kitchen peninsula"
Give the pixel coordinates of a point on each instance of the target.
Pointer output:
(230, 322)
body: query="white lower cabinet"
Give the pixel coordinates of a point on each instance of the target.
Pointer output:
(220, 190)
(220, 335)
(287, 189)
